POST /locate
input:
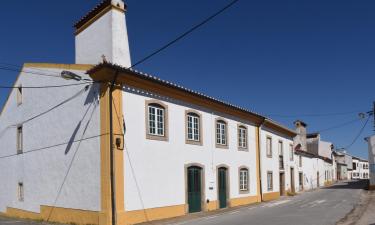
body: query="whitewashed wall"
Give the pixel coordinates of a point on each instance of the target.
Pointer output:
(371, 158)
(154, 170)
(272, 163)
(67, 175)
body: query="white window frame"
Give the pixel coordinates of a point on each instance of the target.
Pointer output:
(269, 180)
(221, 133)
(269, 146)
(244, 179)
(20, 192)
(193, 127)
(242, 137)
(156, 120)
(19, 139)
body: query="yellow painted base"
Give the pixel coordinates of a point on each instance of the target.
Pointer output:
(55, 214)
(243, 201)
(139, 216)
(271, 196)
(328, 183)
(212, 205)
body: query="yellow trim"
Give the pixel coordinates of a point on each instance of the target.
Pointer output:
(212, 205)
(97, 16)
(56, 214)
(84, 67)
(139, 216)
(243, 201)
(257, 157)
(106, 208)
(271, 196)
(327, 183)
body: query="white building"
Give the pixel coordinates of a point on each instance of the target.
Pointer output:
(371, 157)
(360, 168)
(174, 151)
(315, 162)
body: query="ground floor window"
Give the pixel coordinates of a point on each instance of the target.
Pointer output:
(20, 192)
(269, 181)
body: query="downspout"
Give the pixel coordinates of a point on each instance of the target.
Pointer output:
(259, 160)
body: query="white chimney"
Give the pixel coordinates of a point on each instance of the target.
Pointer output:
(102, 35)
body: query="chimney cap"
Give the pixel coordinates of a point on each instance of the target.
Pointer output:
(98, 9)
(300, 122)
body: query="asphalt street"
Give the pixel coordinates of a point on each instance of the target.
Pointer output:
(325, 206)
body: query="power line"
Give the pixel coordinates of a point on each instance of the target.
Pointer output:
(359, 134)
(48, 86)
(19, 67)
(29, 72)
(338, 125)
(314, 114)
(185, 33)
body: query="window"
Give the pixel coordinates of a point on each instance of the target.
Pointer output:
(19, 140)
(20, 192)
(244, 179)
(269, 146)
(354, 166)
(19, 95)
(300, 179)
(269, 181)
(300, 161)
(281, 155)
(221, 133)
(156, 121)
(193, 126)
(291, 153)
(242, 137)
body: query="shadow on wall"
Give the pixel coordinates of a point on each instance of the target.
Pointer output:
(360, 184)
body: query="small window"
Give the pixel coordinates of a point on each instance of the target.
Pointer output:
(19, 95)
(221, 133)
(242, 137)
(19, 140)
(156, 121)
(291, 153)
(269, 181)
(20, 192)
(300, 161)
(193, 124)
(281, 150)
(244, 179)
(269, 147)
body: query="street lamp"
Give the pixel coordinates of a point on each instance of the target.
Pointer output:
(70, 76)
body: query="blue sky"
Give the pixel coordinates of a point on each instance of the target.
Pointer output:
(275, 57)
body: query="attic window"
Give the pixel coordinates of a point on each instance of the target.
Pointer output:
(19, 95)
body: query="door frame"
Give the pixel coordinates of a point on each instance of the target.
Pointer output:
(203, 186)
(282, 191)
(292, 180)
(227, 184)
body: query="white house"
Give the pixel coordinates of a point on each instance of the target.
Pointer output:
(371, 158)
(360, 168)
(172, 151)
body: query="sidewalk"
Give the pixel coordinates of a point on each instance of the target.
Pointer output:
(363, 213)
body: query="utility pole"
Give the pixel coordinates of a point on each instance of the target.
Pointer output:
(373, 114)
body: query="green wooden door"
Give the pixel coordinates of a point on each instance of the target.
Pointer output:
(194, 189)
(222, 187)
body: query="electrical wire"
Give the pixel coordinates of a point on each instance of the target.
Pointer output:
(338, 125)
(315, 114)
(359, 134)
(48, 86)
(185, 33)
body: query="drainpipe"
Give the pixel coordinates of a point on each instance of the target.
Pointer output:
(259, 160)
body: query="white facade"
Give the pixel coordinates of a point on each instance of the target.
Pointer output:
(92, 45)
(371, 158)
(155, 170)
(54, 168)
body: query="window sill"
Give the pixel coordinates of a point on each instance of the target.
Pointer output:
(156, 138)
(243, 149)
(244, 191)
(222, 146)
(191, 142)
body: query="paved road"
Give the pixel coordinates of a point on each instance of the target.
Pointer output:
(321, 207)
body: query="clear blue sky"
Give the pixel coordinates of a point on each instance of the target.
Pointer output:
(274, 57)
